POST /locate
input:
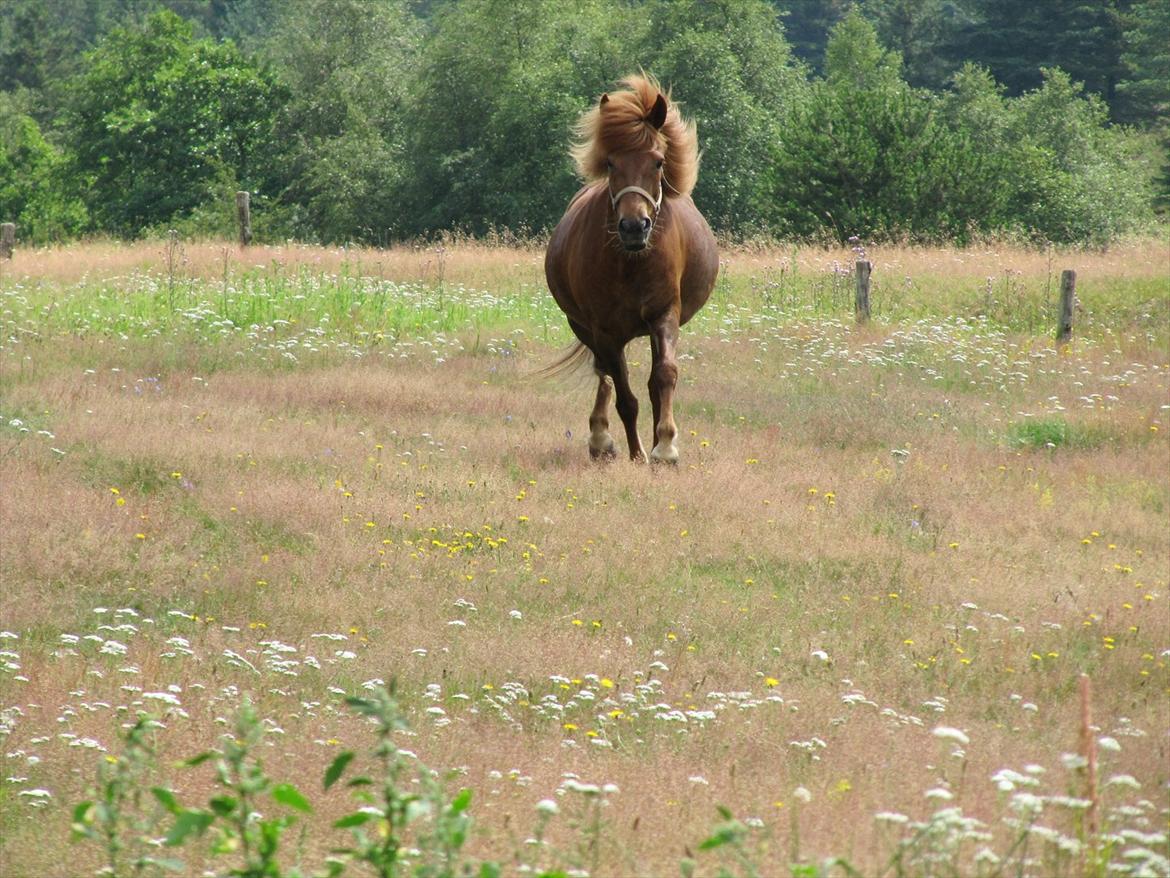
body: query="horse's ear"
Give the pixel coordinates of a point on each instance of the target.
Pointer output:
(604, 100)
(657, 115)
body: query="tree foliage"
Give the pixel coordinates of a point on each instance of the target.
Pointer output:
(161, 121)
(347, 65)
(498, 87)
(869, 155)
(377, 119)
(32, 190)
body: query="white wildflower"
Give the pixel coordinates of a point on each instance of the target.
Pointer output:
(949, 734)
(547, 807)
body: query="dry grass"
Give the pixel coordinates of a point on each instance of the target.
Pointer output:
(966, 581)
(484, 265)
(488, 264)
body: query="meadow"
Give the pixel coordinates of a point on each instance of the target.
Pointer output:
(247, 492)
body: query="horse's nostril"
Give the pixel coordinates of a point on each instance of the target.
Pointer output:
(645, 224)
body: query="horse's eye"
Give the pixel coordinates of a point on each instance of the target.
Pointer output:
(658, 165)
(608, 165)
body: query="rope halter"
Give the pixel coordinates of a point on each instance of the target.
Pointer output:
(638, 190)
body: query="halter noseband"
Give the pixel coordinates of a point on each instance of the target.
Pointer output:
(657, 202)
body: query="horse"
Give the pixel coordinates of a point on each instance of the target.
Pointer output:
(632, 256)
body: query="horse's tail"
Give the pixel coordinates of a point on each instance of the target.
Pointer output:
(573, 358)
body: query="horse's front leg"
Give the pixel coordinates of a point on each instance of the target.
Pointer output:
(613, 363)
(601, 444)
(663, 380)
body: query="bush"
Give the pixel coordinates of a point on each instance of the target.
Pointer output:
(158, 116)
(32, 191)
(867, 155)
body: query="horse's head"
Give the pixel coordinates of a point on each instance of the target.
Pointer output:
(635, 181)
(637, 144)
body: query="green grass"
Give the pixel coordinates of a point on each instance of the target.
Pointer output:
(1053, 433)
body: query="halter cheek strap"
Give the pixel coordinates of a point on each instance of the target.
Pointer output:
(638, 190)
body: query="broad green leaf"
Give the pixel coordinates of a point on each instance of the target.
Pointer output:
(167, 799)
(357, 818)
(460, 802)
(723, 835)
(337, 767)
(223, 805)
(188, 823)
(287, 794)
(81, 812)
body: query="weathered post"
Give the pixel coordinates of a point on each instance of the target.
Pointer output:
(244, 215)
(1068, 301)
(7, 240)
(862, 269)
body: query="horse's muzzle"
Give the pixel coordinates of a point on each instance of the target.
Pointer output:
(634, 232)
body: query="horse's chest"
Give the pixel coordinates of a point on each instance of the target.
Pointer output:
(626, 298)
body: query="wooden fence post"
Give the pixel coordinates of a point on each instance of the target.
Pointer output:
(7, 240)
(863, 268)
(244, 215)
(1068, 301)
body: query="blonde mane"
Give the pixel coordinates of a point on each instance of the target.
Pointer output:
(620, 123)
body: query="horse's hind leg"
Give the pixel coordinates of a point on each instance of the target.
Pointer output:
(601, 444)
(663, 380)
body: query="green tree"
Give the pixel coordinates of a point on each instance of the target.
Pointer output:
(807, 26)
(161, 122)
(347, 64)
(32, 190)
(866, 154)
(729, 64)
(1145, 86)
(1015, 40)
(1090, 184)
(499, 86)
(921, 32)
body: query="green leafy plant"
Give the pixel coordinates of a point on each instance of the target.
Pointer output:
(438, 825)
(234, 815)
(122, 817)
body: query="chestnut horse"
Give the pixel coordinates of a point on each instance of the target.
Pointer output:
(632, 255)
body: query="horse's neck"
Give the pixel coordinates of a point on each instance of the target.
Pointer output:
(585, 190)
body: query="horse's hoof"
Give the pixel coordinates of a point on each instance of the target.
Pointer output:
(607, 450)
(669, 454)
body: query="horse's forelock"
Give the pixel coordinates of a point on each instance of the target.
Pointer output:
(621, 123)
